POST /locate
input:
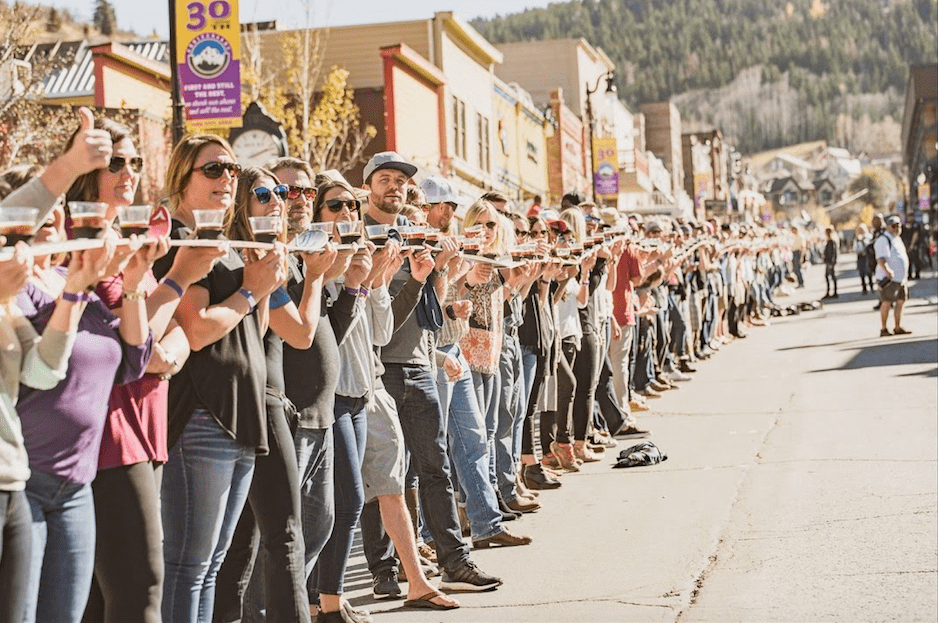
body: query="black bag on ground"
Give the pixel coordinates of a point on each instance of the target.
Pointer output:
(644, 453)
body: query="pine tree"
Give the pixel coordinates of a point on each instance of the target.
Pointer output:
(104, 18)
(53, 20)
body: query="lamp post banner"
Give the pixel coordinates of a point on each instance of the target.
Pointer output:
(208, 49)
(606, 167)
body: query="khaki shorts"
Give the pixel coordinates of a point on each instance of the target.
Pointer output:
(383, 466)
(893, 292)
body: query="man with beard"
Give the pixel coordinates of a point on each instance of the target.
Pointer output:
(410, 379)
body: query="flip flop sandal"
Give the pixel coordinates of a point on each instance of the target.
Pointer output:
(425, 602)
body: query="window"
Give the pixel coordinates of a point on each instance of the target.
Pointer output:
(483, 124)
(459, 127)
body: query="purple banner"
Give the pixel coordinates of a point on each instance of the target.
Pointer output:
(210, 80)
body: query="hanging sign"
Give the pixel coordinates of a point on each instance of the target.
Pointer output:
(208, 49)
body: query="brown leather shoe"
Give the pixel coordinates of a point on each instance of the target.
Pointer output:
(503, 539)
(522, 505)
(536, 478)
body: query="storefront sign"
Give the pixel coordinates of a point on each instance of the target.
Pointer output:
(208, 49)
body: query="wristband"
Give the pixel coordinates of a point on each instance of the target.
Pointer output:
(450, 312)
(172, 285)
(250, 298)
(352, 291)
(363, 292)
(73, 297)
(585, 283)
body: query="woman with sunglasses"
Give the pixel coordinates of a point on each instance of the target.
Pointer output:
(217, 415)
(482, 285)
(63, 425)
(537, 336)
(365, 281)
(129, 558)
(274, 510)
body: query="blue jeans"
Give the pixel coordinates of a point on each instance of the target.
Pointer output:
(523, 426)
(418, 406)
(510, 413)
(15, 547)
(205, 486)
(349, 434)
(315, 457)
(486, 387)
(63, 537)
(468, 448)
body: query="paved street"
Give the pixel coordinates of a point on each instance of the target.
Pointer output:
(800, 486)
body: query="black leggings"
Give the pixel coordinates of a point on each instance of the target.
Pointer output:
(128, 563)
(587, 375)
(559, 420)
(527, 431)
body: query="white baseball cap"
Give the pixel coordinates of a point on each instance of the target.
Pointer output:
(438, 190)
(388, 160)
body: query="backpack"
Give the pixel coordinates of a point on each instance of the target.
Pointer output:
(869, 253)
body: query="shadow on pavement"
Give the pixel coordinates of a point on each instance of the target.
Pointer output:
(928, 374)
(908, 352)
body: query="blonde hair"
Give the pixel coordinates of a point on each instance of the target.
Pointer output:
(576, 222)
(499, 244)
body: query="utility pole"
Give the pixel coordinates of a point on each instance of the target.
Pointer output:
(179, 124)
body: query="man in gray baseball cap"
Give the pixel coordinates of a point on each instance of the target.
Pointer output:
(441, 202)
(385, 175)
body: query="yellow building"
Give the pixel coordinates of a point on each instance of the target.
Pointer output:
(520, 154)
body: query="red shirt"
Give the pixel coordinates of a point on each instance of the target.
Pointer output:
(135, 430)
(623, 308)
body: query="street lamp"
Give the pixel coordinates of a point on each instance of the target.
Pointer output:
(610, 88)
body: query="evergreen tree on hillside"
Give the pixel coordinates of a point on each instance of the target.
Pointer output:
(53, 20)
(104, 18)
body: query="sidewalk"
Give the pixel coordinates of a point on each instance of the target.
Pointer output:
(797, 488)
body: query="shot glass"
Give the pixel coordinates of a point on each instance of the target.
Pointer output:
(134, 220)
(88, 218)
(209, 224)
(349, 232)
(18, 224)
(266, 228)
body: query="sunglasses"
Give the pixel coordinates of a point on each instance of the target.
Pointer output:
(537, 233)
(214, 170)
(336, 205)
(520, 233)
(307, 191)
(489, 225)
(264, 194)
(119, 162)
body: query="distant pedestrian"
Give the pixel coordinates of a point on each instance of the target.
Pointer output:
(797, 254)
(862, 240)
(892, 271)
(830, 263)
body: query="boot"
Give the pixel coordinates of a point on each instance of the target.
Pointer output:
(412, 501)
(535, 478)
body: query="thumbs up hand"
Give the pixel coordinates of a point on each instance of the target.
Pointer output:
(90, 149)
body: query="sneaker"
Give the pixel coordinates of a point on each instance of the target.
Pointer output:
(384, 585)
(678, 377)
(633, 432)
(550, 461)
(660, 385)
(687, 368)
(605, 440)
(468, 578)
(638, 406)
(503, 539)
(563, 452)
(649, 392)
(583, 452)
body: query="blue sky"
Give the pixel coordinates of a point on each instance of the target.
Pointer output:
(145, 17)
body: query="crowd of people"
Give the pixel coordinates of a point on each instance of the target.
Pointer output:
(194, 432)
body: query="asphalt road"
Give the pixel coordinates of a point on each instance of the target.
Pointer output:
(801, 485)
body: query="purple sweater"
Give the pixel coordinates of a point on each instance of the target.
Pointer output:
(62, 427)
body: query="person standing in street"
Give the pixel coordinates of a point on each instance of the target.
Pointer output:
(830, 263)
(892, 271)
(859, 246)
(797, 254)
